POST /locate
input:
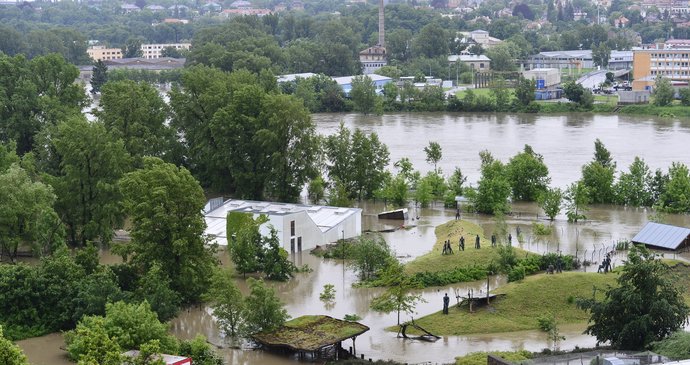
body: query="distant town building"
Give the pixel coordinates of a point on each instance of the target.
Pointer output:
(128, 8)
(476, 62)
(544, 78)
(155, 8)
(241, 4)
(345, 82)
(155, 50)
(373, 58)
(101, 53)
(241, 12)
(478, 37)
(577, 59)
(670, 60)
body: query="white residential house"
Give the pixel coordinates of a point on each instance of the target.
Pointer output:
(299, 227)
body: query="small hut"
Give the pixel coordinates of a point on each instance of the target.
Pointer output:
(663, 236)
(315, 336)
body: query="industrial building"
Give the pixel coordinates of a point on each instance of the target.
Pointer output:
(299, 227)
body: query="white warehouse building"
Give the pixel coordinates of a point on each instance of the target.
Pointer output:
(299, 227)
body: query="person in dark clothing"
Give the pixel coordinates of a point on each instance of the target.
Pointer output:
(559, 264)
(476, 243)
(493, 240)
(446, 302)
(462, 243)
(510, 239)
(450, 248)
(457, 213)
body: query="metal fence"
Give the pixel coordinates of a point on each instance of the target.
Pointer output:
(597, 357)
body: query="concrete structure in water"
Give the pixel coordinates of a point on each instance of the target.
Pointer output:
(299, 227)
(373, 58)
(670, 60)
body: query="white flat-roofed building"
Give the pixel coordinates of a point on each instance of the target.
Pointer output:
(155, 50)
(299, 226)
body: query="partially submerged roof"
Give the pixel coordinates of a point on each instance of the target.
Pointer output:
(310, 333)
(662, 236)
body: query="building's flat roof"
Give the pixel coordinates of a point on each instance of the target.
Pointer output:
(345, 80)
(468, 58)
(324, 217)
(292, 77)
(661, 235)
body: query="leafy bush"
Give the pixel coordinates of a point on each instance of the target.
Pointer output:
(479, 358)
(457, 275)
(676, 346)
(517, 273)
(352, 317)
(540, 229)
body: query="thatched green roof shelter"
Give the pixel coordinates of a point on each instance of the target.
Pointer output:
(311, 334)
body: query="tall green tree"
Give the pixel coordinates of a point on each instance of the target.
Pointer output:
(528, 175)
(493, 187)
(27, 215)
(136, 113)
(132, 48)
(598, 175)
(36, 94)
(265, 312)
(288, 136)
(370, 256)
(524, 91)
(434, 153)
(357, 161)
(663, 92)
(675, 198)
(99, 77)
(363, 94)
(83, 163)
(398, 297)
(601, 55)
(576, 199)
(244, 241)
(164, 203)
(227, 302)
(550, 202)
(646, 305)
(275, 263)
(634, 188)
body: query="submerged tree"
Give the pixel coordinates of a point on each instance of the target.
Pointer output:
(265, 312)
(550, 202)
(227, 302)
(397, 298)
(434, 153)
(646, 306)
(576, 201)
(528, 175)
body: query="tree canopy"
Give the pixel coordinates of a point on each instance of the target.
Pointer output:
(646, 306)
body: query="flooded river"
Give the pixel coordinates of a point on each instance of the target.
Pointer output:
(566, 143)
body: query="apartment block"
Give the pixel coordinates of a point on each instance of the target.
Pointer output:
(155, 50)
(661, 60)
(101, 53)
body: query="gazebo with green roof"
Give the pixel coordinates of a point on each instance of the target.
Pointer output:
(318, 336)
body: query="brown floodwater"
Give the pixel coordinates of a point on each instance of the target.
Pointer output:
(566, 143)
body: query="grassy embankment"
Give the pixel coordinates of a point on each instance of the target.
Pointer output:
(532, 297)
(524, 302)
(435, 262)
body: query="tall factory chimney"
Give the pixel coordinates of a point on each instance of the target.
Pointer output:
(381, 26)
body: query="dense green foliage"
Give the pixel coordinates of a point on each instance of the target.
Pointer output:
(493, 188)
(676, 346)
(528, 175)
(357, 161)
(264, 312)
(10, 353)
(645, 307)
(164, 203)
(370, 256)
(242, 136)
(102, 339)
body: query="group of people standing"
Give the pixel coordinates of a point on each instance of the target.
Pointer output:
(448, 248)
(606, 264)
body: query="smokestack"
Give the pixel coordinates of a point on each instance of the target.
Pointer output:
(381, 27)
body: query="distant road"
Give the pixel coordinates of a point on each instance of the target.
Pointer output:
(592, 79)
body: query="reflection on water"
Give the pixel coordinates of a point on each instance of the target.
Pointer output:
(566, 143)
